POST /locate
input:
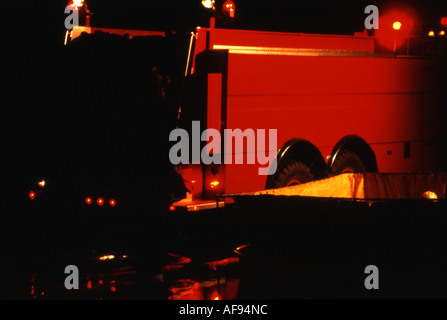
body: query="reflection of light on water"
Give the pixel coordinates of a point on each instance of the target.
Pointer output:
(112, 275)
(214, 285)
(216, 289)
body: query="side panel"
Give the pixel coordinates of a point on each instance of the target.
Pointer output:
(392, 103)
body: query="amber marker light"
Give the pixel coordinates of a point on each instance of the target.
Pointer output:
(214, 184)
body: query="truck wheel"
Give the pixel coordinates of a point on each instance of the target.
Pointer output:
(348, 162)
(291, 172)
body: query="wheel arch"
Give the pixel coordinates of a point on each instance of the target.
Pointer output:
(303, 151)
(358, 145)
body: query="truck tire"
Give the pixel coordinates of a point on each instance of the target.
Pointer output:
(291, 172)
(348, 162)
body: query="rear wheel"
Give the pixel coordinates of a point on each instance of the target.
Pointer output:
(348, 162)
(291, 172)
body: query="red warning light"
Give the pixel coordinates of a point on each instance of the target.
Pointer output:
(100, 201)
(88, 200)
(32, 195)
(397, 25)
(171, 208)
(112, 202)
(229, 8)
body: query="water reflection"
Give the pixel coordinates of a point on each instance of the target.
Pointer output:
(114, 275)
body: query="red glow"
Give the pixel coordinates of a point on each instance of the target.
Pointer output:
(32, 195)
(223, 262)
(394, 27)
(112, 202)
(171, 208)
(88, 200)
(100, 201)
(229, 7)
(89, 284)
(195, 208)
(112, 286)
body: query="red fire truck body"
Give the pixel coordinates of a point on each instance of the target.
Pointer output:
(325, 95)
(338, 103)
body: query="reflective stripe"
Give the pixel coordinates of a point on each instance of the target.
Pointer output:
(289, 51)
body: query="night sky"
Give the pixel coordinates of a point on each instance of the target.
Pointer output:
(324, 16)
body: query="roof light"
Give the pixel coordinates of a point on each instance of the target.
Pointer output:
(76, 3)
(209, 4)
(229, 8)
(397, 25)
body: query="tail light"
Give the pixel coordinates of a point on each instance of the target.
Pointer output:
(100, 201)
(32, 195)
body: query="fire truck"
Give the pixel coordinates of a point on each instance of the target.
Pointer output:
(373, 101)
(359, 103)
